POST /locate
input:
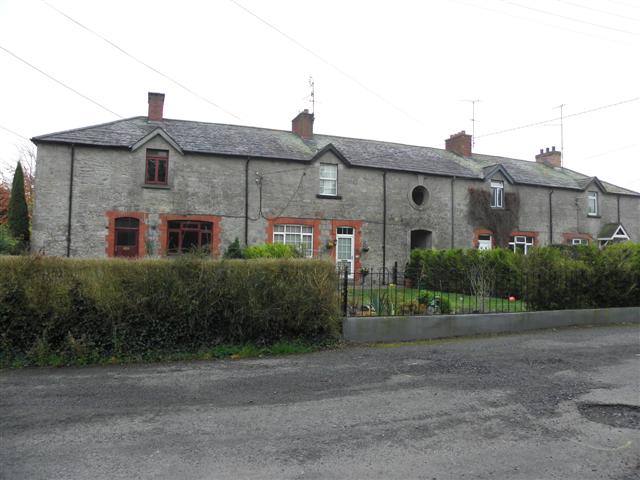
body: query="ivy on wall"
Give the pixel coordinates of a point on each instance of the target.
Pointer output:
(501, 221)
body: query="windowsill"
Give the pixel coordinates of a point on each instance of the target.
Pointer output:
(156, 187)
(593, 215)
(329, 197)
(497, 208)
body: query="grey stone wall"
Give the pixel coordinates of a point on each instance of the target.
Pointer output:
(113, 179)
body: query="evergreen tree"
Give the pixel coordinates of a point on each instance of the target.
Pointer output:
(18, 214)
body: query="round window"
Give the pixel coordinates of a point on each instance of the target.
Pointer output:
(419, 195)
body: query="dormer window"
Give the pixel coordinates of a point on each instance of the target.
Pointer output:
(157, 167)
(328, 179)
(593, 204)
(497, 194)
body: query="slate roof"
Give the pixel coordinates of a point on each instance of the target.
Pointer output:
(234, 140)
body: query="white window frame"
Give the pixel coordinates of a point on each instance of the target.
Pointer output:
(579, 241)
(328, 179)
(497, 194)
(485, 243)
(283, 232)
(521, 240)
(592, 200)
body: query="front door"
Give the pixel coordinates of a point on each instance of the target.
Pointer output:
(344, 249)
(127, 230)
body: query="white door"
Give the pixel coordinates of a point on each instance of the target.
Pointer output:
(344, 249)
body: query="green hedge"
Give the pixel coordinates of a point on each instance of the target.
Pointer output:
(548, 278)
(124, 307)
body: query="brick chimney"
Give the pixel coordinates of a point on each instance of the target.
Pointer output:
(156, 105)
(459, 143)
(302, 125)
(550, 158)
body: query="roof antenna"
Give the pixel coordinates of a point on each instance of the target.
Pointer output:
(312, 84)
(473, 121)
(561, 107)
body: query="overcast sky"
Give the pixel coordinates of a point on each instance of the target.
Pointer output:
(401, 71)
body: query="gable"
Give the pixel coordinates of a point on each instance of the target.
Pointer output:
(613, 231)
(158, 132)
(332, 154)
(494, 172)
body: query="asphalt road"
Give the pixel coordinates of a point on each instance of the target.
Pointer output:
(490, 408)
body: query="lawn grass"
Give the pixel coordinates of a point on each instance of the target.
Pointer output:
(216, 352)
(399, 297)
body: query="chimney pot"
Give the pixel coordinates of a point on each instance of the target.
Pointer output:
(156, 106)
(541, 151)
(550, 158)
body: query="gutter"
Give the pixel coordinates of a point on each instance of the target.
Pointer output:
(246, 202)
(384, 220)
(72, 164)
(550, 218)
(453, 229)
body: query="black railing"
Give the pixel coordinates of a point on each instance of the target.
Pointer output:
(390, 292)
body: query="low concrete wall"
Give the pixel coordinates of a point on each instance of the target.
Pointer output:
(394, 329)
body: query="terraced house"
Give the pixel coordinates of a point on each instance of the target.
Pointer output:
(151, 186)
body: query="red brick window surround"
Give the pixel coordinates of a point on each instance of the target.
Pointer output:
(156, 167)
(483, 231)
(288, 223)
(135, 249)
(570, 236)
(178, 233)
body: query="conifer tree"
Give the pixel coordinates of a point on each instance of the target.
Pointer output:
(18, 213)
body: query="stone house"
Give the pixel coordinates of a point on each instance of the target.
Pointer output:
(151, 186)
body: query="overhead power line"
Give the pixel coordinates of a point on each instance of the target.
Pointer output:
(598, 10)
(13, 133)
(141, 62)
(535, 124)
(327, 62)
(538, 22)
(59, 82)
(565, 17)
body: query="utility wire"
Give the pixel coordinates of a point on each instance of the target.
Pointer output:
(327, 62)
(14, 133)
(538, 22)
(535, 124)
(136, 59)
(618, 2)
(59, 82)
(599, 10)
(565, 17)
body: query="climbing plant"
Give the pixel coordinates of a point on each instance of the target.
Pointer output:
(501, 221)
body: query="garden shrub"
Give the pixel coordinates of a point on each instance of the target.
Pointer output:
(234, 250)
(271, 250)
(548, 278)
(8, 244)
(89, 308)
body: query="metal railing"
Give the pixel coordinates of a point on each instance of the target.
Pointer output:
(391, 292)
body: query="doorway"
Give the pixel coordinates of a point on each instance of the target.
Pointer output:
(345, 249)
(420, 239)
